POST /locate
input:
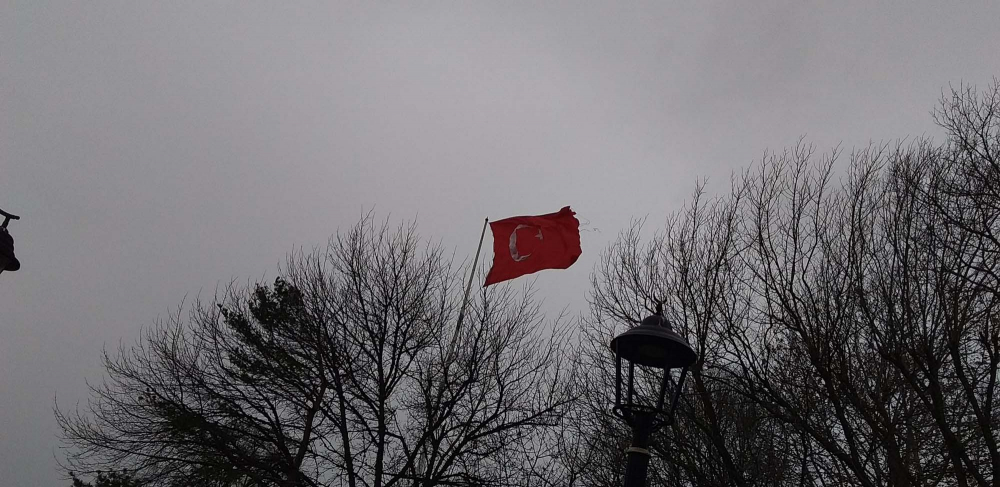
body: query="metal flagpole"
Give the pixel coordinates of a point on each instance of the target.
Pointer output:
(458, 331)
(468, 287)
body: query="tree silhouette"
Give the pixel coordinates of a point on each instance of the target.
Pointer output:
(846, 318)
(339, 373)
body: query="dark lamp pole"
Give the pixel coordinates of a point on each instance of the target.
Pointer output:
(655, 349)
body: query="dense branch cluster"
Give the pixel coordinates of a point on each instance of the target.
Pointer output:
(847, 319)
(347, 371)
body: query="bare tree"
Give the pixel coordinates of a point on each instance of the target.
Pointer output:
(349, 370)
(687, 267)
(846, 319)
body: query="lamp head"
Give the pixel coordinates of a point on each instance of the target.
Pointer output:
(8, 261)
(654, 344)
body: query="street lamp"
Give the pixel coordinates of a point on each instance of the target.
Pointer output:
(8, 262)
(655, 348)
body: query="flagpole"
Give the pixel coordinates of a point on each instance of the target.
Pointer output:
(468, 287)
(458, 328)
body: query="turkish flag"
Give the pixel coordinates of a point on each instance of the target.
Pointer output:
(527, 244)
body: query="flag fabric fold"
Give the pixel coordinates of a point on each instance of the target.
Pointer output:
(527, 244)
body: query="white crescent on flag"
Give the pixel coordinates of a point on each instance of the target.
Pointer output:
(513, 243)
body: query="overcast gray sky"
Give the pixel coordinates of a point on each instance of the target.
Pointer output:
(156, 150)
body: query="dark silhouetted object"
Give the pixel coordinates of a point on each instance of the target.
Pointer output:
(656, 349)
(105, 479)
(8, 262)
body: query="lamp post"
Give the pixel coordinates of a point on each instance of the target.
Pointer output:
(8, 262)
(654, 347)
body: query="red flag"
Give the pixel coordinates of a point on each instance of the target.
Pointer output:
(526, 244)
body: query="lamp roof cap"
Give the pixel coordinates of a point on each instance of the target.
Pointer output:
(654, 344)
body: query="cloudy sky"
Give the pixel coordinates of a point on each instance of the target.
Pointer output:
(156, 150)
